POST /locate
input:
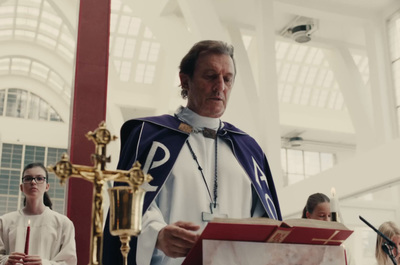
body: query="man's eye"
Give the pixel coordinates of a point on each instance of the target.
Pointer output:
(39, 178)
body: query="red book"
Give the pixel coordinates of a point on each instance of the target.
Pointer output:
(294, 231)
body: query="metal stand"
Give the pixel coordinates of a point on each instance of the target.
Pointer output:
(98, 175)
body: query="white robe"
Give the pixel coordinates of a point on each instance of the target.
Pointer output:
(184, 196)
(52, 237)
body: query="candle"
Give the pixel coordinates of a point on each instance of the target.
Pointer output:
(334, 203)
(28, 232)
(334, 206)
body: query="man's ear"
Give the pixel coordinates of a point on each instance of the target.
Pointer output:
(184, 80)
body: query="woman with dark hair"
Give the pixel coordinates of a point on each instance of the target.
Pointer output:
(46, 198)
(51, 237)
(317, 207)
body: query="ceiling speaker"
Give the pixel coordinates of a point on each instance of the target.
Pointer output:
(301, 34)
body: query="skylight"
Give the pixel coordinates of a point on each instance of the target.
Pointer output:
(305, 77)
(133, 48)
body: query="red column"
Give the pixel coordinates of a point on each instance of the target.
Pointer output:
(88, 110)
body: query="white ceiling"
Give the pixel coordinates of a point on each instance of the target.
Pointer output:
(52, 25)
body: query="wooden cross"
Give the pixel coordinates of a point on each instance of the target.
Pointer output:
(98, 175)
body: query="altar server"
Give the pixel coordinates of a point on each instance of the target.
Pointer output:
(36, 235)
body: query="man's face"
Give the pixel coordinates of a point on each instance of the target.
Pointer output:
(211, 84)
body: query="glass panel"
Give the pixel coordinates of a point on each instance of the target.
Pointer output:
(16, 103)
(11, 156)
(302, 72)
(34, 107)
(2, 98)
(295, 161)
(298, 165)
(127, 45)
(43, 110)
(284, 166)
(327, 161)
(54, 115)
(9, 190)
(34, 154)
(311, 163)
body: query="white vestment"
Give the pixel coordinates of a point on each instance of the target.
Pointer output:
(52, 237)
(184, 196)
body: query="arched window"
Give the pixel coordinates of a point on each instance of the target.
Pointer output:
(20, 103)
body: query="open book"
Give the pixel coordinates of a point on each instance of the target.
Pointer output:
(293, 231)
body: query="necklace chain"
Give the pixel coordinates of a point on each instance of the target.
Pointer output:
(215, 191)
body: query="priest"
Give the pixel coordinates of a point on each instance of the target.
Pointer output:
(202, 167)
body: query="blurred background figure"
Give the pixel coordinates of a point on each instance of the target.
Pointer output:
(317, 207)
(391, 231)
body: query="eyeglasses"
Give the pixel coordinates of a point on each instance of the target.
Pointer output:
(38, 180)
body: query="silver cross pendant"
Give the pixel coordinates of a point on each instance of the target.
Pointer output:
(214, 207)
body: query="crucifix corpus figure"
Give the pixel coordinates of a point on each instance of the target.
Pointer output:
(98, 175)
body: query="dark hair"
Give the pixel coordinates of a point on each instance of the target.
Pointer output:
(312, 201)
(188, 63)
(46, 197)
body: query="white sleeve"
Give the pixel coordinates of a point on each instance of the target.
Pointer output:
(67, 253)
(152, 223)
(3, 253)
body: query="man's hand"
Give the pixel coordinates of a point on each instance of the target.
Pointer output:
(175, 240)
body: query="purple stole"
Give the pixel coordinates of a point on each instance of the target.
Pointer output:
(156, 142)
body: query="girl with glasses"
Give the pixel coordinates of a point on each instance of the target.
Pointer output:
(36, 234)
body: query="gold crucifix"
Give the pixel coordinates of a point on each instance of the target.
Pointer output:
(98, 175)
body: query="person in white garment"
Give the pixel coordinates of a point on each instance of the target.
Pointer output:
(202, 167)
(51, 237)
(317, 207)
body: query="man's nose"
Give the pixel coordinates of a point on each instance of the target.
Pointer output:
(219, 84)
